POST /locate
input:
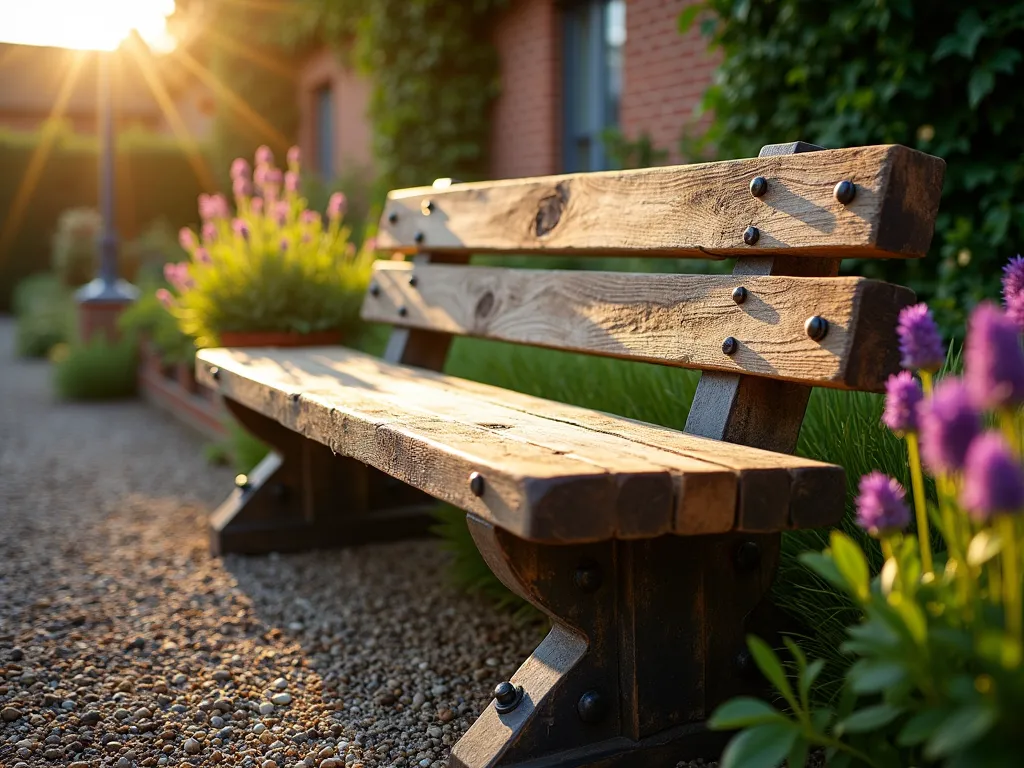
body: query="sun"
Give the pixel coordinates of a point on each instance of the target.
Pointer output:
(86, 24)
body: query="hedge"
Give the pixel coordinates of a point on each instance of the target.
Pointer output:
(153, 180)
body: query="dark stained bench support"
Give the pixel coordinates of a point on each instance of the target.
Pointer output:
(646, 638)
(302, 496)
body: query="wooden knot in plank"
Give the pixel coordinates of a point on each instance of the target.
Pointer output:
(549, 211)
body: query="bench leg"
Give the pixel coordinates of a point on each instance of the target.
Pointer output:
(302, 496)
(647, 638)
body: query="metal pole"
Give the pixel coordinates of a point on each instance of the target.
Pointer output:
(101, 301)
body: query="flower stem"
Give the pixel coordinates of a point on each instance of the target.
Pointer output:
(920, 503)
(1011, 578)
(926, 381)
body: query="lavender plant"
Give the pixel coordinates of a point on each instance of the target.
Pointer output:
(272, 264)
(935, 673)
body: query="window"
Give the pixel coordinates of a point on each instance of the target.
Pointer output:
(595, 33)
(323, 111)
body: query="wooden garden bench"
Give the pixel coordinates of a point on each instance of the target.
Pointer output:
(649, 548)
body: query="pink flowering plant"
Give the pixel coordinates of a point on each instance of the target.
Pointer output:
(935, 667)
(270, 264)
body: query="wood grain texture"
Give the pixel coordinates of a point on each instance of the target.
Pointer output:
(678, 320)
(546, 479)
(698, 211)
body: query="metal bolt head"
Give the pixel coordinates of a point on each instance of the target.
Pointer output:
(588, 577)
(374, 289)
(730, 345)
(592, 707)
(242, 482)
(507, 697)
(758, 186)
(403, 311)
(413, 281)
(476, 484)
(845, 191)
(418, 237)
(748, 556)
(816, 327)
(215, 373)
(295, 396)
(739, 294)
(751, 235)
(427, 207)
(393, 217)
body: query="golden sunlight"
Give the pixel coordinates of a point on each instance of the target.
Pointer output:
(86, 24)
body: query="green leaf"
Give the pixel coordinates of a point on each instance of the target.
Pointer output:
(825, 567)
(689, 15)
(771, 668)
(961, 729)
(869, 719)
(1004, 60)
(920, 727)
(797, 757)
(807, 678)
(852, 565)
(764, 746)
(820, 718)
(979, 86)
(869, 676)
(743, 712)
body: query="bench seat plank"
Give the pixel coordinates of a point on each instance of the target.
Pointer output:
(698, 211)
(432, 431)
(679, 320)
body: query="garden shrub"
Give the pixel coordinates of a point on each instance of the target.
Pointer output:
(75, 253)
(942, 76)
(153, 176)
(96, 370)
(44, 312)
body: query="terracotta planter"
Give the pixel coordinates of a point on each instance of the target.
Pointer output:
(279, 338)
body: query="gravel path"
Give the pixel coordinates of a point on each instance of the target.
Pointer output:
(122, 643)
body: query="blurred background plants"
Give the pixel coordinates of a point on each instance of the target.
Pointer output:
(95, 370)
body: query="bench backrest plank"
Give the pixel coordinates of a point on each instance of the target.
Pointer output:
(680, 320)
(700, 211)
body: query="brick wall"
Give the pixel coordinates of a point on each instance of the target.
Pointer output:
(665, 73)
(525, 138)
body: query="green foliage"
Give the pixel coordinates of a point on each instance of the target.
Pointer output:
(942, 76)
(155, 246)
(153, 179)
(45, 315)
(97, 370)
(149, 320)
(277, 266)
(638, 153)
(75, 246)
(434, 79)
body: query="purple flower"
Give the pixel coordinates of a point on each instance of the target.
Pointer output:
(902, 394)
(202, 256)
(241, 186)
(257, 205)
(993, 359)
(336, 206)
(186, 238)
(241, 228)
(1013, 290)
(165, 297)
(209, 232)
(920, 343)
(239, 169)
(260, 175)
(947, 422)
(284, 244)
(881, 508)
(309, 217)
(294, 156)
(993, 478)
(281, 211)
(264, 156)
(291, 181)
(178, 276)
(213, 207)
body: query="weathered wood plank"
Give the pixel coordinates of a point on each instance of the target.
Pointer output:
(679, 320)
(699, 210)
(432, 431)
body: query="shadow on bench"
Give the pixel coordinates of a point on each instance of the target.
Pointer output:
(650, 549)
